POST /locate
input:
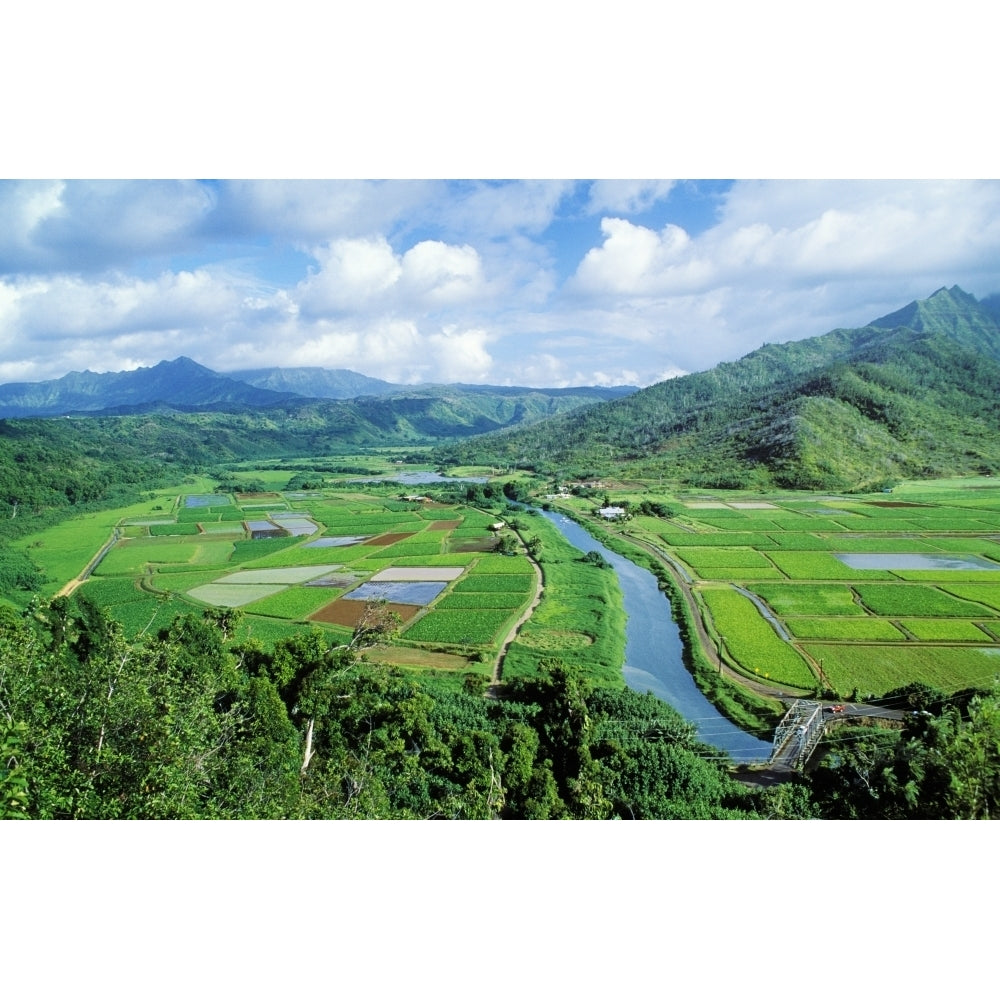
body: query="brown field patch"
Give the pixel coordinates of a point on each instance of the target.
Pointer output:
(473, 545)
(404, 656)
(390, 539)
(341, 612)
(258, 496)
(444, 525)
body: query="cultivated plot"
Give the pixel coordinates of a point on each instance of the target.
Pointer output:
(867, 577)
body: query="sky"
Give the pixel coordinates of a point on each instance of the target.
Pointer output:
(522, 282)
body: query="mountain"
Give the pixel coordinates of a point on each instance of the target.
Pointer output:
(180, 384)
(316, 383)
(952, 312)
(914, 393)
(429, 411)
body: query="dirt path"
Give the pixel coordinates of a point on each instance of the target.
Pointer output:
(495, 681)
(68, 588)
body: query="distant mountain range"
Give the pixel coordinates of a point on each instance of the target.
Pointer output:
(317, 383)
(184, 386)
(915, 393)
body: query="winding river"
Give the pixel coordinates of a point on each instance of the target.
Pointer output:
(654, 652)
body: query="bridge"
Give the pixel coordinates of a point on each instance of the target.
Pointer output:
(797, 735)
(801, 729)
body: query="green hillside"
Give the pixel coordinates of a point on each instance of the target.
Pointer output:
(852, 409)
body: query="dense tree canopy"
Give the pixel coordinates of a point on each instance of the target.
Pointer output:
(185, 725)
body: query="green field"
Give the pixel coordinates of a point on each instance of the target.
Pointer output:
(753, 643)
(867, 630)
(188, 559)
(872, 629)
(877, 669)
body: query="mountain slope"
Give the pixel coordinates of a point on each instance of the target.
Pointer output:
(316, 383)
(181, 383)
(849, 409)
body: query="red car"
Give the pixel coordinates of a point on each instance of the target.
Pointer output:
(836, 708)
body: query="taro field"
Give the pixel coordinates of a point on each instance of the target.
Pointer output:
(317, 562)
(852, 595)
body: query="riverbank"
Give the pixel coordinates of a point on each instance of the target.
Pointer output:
(656, 654)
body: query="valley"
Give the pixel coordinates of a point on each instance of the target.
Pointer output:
(249, 580)
(797, 594)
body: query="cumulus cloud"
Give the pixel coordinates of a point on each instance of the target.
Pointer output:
(353, 274)
(51, 325)
(785, 233)
(366, 274)
(398, 350)
(634, 260)
(790, 259)
(438, 274)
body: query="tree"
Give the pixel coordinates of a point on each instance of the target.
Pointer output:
(937, 767)
(226, 619)
(507, 545)
(378, 623)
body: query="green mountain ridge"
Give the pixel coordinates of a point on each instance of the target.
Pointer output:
(852, 409)
(181, 383)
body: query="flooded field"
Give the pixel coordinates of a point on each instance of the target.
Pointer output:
(912, 560)
(332, 543)
(207, 500)
(420, 593)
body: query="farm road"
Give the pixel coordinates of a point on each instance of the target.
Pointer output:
(491, 692)
(68, 588)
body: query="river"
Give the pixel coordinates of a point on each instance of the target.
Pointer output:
(654, 651)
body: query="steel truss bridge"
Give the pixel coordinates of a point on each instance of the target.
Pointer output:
(797, 734)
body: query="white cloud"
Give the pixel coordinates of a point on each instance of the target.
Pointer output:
(85, 226)
(626, 197)
(437, 274)
(460, 355)
(435, 281)
(808, 231)
(503, 209)
(354, 274)
(786, 260)
(634, 260)
(312, 211)
(366, 275)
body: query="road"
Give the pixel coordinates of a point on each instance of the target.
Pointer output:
(68, 588)
(512, 634)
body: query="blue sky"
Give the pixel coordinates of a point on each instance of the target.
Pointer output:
(535, 282)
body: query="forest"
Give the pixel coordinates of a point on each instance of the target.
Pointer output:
(186, 725)
(189, 725)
